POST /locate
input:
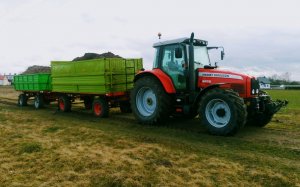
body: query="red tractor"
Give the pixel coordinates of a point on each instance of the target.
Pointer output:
(184, 83)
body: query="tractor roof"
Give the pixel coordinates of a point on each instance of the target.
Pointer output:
(180, 40)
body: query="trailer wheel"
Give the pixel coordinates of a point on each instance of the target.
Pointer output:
(22, 101)
(100, 108)
(64, 103)
(125, 107)
(222, 112)
(149, 101)
(38, 101)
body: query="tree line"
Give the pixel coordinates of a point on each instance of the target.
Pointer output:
(284, 78)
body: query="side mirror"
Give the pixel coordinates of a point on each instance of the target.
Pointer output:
(178, 52)
(222, 55)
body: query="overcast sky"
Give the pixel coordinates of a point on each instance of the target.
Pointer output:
(260, 37)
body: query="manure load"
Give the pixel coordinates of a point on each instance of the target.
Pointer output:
(97, 76)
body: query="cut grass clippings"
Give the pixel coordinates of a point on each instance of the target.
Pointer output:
(46, 148)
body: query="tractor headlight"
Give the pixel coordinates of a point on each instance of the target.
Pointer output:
(254, 86)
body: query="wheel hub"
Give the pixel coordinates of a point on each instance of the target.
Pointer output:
(217, 113)
(221, 112)
(146, 101)
(149, 101)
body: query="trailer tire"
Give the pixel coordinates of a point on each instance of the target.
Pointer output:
(100, 108)
(64, 103)
(223, 112)
(149, 101)
(125, 107)
(38, 101)
(22, 101)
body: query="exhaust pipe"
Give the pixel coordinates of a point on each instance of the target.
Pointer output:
(192, 77)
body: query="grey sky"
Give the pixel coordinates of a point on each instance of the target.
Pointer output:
(260, 37)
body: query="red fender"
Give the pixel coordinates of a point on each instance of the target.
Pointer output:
(165, 80)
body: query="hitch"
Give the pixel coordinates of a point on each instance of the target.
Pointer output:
(274, 106)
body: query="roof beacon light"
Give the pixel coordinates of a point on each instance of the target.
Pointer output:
(159, 35)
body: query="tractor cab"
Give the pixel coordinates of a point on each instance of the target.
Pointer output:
(180, 59)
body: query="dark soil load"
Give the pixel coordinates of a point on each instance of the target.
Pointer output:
(37, 69)
(89, 56)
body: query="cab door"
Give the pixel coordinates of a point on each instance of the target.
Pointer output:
(174, 64)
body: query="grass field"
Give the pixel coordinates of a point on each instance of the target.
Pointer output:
(49, 148)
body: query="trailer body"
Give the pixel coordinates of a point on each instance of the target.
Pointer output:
(97, 76)
(33, 82)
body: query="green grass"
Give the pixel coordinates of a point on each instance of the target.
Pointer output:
(45, 148)
(293, 96)
(30, 147)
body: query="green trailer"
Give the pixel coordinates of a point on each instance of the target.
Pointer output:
(97, 76)
(33, 82)
(34, 85)
(101, 84)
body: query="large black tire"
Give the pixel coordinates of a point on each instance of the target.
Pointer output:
(150, 103)
(38, 101)
(125, 107)
(223, 112)
(22, 101)
(64, 103)
(260, 119)
(100, 108)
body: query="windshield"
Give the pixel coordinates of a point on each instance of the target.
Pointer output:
(201, 57)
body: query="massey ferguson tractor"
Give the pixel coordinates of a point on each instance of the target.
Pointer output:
(183, 82)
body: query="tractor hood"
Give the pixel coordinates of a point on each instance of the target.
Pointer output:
(238, 82)
(224, 74)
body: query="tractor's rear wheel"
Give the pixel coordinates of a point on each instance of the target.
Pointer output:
(149, 101)
(22, 101)
(223, 112)
(64, 103)
(38, 101)
(100, 108)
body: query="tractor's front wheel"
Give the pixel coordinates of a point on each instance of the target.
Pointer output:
(222, 112)
(149, 101)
